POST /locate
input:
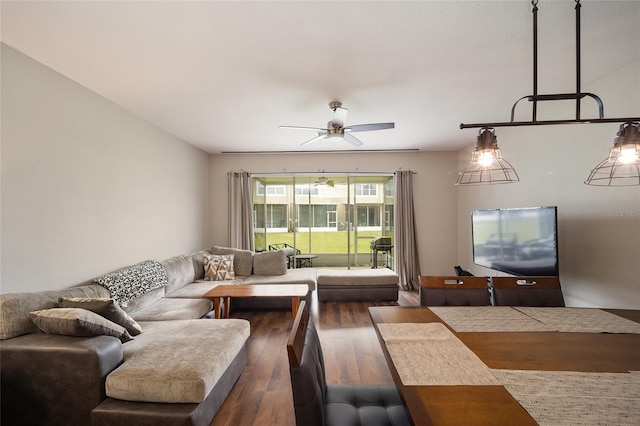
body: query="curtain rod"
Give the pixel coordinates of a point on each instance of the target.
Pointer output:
(352, 151)
(324, 172)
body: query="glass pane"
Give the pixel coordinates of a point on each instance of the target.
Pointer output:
(373, 217)
(325, 215)
(303, 216)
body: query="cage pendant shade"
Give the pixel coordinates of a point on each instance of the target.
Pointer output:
(487, 165)
(622, 167)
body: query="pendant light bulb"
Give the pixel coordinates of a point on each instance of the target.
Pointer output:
(629, 155)
(486, 158)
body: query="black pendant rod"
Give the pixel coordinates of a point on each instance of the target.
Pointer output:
(578, 66)
(534, 113)
(535, 97)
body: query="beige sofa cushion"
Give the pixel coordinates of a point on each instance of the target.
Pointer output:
(198, 263)
(180, 271)
(177, 361)
(198, 289)
(167, 309)
(145, 300)
(292, 276)
(270, 263)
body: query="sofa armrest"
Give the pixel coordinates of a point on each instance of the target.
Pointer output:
(55, 379)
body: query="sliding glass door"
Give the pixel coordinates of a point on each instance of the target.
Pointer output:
(332, 216)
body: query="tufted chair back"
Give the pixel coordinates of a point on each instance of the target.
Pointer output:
(306, 363)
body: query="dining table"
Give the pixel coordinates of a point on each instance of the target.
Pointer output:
(503, 365)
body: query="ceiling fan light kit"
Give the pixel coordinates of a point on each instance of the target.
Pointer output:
(621, 168)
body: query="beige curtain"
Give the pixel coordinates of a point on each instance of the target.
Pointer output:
(240, 211)
(407, 262)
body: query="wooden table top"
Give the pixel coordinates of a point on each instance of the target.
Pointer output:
(258, 290)
(530, 350)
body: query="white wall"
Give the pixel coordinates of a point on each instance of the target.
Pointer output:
(599, 228)
(434, 192)
(88, 187)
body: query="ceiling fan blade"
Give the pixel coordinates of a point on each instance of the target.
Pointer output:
(316, 129)
(352, 139)
(369, 127)
(320, 136)
(339, 117)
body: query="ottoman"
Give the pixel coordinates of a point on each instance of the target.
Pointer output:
(357, 285)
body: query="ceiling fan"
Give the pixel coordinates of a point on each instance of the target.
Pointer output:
(322, 180)
(336, 127)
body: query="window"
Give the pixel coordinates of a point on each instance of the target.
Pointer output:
(389, 188)
(271, 189)
(276, 216)
(367, 215)
(388, 216)
(322, 215)
(306, 190)
(366, 190)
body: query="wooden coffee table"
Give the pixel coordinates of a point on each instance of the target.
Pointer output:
(295, 291)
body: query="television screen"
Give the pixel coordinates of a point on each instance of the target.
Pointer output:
(520, 241)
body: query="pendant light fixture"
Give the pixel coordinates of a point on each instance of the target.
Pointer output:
(620, 168)
(487, 164)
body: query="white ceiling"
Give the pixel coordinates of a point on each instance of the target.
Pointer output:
(224, 76)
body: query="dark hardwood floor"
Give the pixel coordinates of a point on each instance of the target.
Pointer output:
(262, 395)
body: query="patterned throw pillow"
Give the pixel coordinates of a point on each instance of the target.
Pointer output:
(218, 267)
(77, 322)
(104, 307)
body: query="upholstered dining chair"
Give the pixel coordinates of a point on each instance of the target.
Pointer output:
(454, 291)
(527, 291)
(317, 403)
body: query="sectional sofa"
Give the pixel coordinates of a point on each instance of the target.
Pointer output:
(64, 362)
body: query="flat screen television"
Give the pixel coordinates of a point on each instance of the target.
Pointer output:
(521, 241)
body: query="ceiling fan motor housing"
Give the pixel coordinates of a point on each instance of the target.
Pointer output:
(334, 131)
